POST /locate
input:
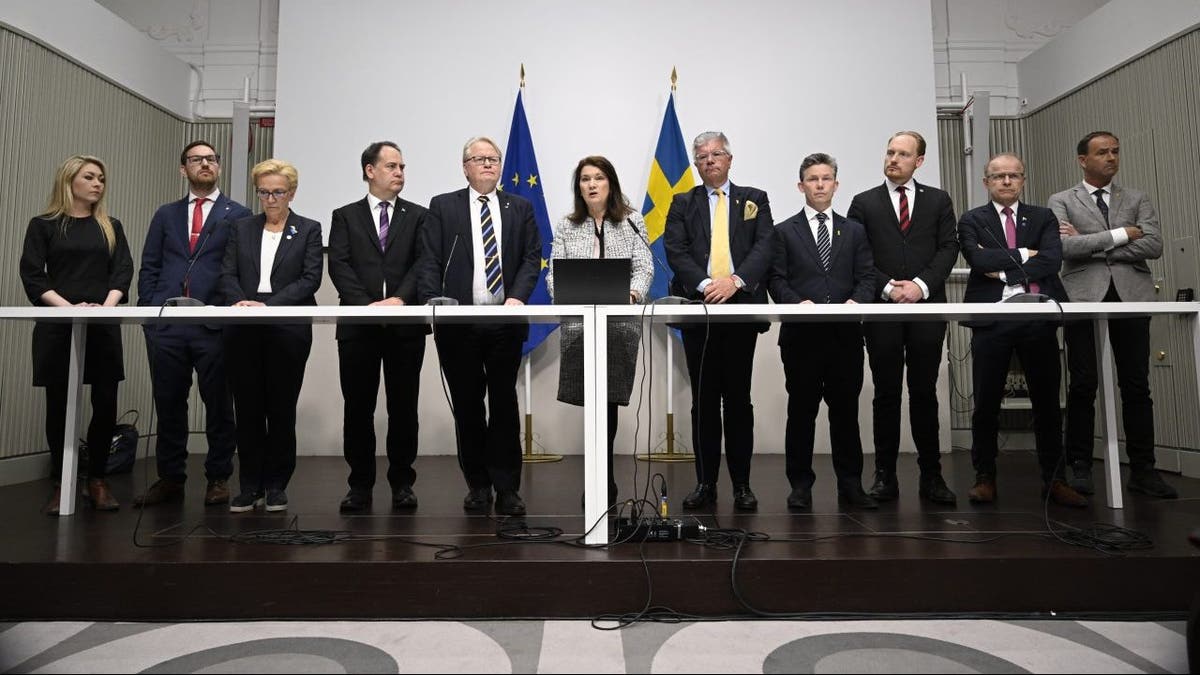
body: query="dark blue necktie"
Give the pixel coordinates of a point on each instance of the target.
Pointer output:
(491, 248)
(1101, 205)
(823, 246)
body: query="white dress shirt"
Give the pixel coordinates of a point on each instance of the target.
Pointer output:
(479, 291)
(910, 191)
(266, 260)
(1017, 287)
(205, 208)
(1119, 235)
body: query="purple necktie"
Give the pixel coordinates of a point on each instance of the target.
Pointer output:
(1010, 233)
(383, 225)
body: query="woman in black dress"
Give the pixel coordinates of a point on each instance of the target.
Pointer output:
(76, 255)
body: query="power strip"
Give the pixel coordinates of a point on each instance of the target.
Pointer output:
(656, 529)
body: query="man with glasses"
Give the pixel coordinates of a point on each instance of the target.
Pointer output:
(719, 244)
(182, 256)
(1109, 231)
(374, 245)
(1013, 249)
(482, 247)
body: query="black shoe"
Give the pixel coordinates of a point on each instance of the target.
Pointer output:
(800, 498)
(933, 488)
(509, 503)
(477, 499)
(854, 496)
(1148, 482)
(743, 498)
(704, 495)
(1081, 477)
(404, 498)
(886, 487)
(355, 501)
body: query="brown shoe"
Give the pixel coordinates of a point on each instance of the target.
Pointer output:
(102, 499)
(50, 508)
(1063, 494)
(164, 490)
(217, 492)
(984, 490)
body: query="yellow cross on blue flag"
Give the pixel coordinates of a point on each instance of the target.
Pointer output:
(670, 174)
(520, 177)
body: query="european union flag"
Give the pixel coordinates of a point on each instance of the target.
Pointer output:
(520, 176)
(670, 174)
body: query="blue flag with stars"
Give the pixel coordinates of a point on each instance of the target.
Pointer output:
(520, 177)
(670, 174)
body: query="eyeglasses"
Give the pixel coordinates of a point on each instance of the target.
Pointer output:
(197, 160)
(268, 194)
(999, 177)
(715, 156)
(482, 161)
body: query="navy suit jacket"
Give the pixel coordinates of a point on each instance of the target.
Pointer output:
(166, 258)
(360, 269)
(981, 237)
(296, 272)
(448, 253)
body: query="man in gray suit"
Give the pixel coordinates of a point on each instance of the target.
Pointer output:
(1108, 233)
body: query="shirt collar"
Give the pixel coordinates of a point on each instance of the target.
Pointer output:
(1092, 188)
(910, 186)
(373, 202)
(1000, 209)
(812, 212)
(211, 198)
(724, 188)
(492, 196)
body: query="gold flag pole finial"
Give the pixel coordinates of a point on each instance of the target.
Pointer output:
(522, 75)
(674, 78)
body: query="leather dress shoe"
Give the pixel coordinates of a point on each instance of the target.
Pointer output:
(403, 497)
(163, 490)
(102, 500)
(743, 498)
(355, 501)
(1081, 478)
(50, 508)
(800, 498)
(477, 499)
(933, 488)
(705, 494)
(509, 503)
(886, 487)
(1063, 494)
(1150, 483)
(216, 492)
(984, 490)
(854, 496)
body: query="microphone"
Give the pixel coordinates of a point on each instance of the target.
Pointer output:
(184, 300)
(442, 300)
(666, 299)
(1020, 297)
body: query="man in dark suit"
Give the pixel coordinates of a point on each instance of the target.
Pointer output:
(822, 258)
(374, 247)
(1014, 249)
(182, 257)
(1109, 231)
(718, 239)
(482, 247)
(911, 228)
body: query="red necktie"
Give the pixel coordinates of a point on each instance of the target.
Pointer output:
(904, 222)
(1010, 233)
(197, 223)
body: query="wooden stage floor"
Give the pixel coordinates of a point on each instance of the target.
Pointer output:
(186, 561)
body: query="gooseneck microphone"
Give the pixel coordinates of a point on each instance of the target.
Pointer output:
(442, 300)
(667, 299)
(1020, 297)
(186, 300)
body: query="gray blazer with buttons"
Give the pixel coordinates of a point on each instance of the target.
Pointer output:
(1089, 259)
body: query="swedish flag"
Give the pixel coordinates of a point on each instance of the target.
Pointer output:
(520, 176)
(670, 174)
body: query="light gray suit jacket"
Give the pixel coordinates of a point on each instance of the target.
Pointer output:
(1089, 259)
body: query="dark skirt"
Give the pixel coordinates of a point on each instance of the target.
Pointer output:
(103, 361)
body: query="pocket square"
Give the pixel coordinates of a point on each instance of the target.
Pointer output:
(751, 211)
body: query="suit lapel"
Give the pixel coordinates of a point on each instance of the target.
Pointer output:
(1085, 199)
(700, 203)
(366, 221)
(256, 239)
(291, 229)
(996, 226)
(508, 234)
(1116, 194)
(806, 237)
(885, 203)
(835, 237)
(182, 231)
(464, 230)
(398, 222)
(737, 211)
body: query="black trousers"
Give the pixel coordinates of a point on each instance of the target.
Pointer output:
(481, 360)
(266, 369)
(1131, 352)
(176, 351)
(823, 361)
(891, 346)
(1036, 347)
(721, 397)
(359, 362)
(100, 428)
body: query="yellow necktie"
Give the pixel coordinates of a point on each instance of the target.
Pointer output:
(721, 265)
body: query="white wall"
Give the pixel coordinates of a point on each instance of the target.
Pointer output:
(100, 40)
(431, 75)
(1115, 34)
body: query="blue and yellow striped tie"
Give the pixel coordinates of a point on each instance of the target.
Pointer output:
(491, 248)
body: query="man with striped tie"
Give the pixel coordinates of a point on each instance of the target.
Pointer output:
(822, 258)
(482, 247)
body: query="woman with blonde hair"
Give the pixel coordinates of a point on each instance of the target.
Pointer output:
(271, 259)
(75, 254)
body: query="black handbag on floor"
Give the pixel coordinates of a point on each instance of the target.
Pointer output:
(122, 452)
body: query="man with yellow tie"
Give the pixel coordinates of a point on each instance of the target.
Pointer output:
(719, 246)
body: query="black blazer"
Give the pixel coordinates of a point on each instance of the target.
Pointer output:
(448, 254)
(166, 259)
(981, 235)
(296, 274)
(928, 250)
(798, 275)
(359, 269)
